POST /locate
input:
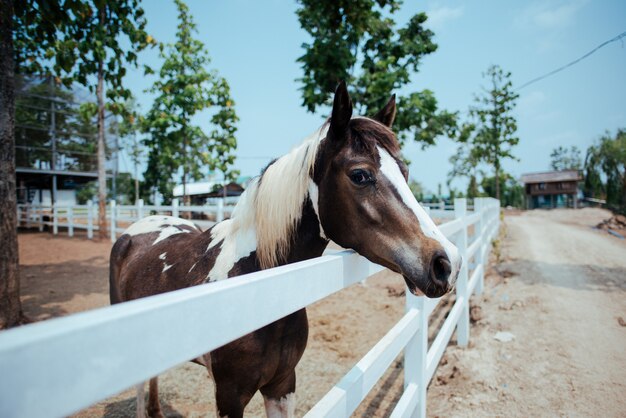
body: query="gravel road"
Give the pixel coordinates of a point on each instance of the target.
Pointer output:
(561, 292)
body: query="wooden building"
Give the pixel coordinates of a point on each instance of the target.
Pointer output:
(551, 189)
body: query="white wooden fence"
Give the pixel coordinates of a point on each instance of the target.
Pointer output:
(57, 367)
(118, 217)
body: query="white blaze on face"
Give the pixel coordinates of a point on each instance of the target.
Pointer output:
(389, 167)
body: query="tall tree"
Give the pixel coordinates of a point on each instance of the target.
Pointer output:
(92, 48)
(562, 158)
(27, 29)
(494, 137)
(607, 158)
(358, 41)
(186, 88)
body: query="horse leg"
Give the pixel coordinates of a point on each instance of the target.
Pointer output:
(280, 397)
(154, 406)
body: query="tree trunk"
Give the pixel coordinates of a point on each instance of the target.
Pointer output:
(10, 305)
(102, 179)
(497, 182)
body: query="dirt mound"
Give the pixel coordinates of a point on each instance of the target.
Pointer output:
(616, 223)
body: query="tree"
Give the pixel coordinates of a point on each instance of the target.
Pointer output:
(565, 158)
(465, 162)
(27, 29)
(185, 88)
(357, 41)
(607, 157)
(512, 192)
(93, 47)
(495, 137)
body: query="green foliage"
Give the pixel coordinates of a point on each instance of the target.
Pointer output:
(491, 137)
(186, 88)
(607, 159)
(511, 191)
(359, 42)
(563, 158)
(96, 35)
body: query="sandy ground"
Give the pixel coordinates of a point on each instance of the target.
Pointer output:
(562, 296)
(559, 290)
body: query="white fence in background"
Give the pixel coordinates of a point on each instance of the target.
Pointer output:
(57, 367)
(119, 217)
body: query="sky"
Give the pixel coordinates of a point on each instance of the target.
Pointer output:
(255, 44)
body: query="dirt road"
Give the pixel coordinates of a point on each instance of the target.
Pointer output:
(562, 300)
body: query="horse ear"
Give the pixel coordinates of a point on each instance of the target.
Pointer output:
(387, 114)
(342, 111)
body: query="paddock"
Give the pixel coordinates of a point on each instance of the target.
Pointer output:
(339, 270)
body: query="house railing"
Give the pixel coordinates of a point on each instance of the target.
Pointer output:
(57, 367)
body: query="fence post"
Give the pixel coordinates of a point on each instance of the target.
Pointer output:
(70, 221)
(27, 215)
(462, 330)
(415, 354)
(220, 210)
(55, 221)
(479, 233)
(113, 226)
(19, 216)
(139, 205)
(40, 218)
(175, 209)
(90, 219)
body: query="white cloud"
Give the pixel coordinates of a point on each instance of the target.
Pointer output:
(439, 16)
(551, 14)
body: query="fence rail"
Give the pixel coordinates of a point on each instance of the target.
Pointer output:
(118, 217)
(58, 367)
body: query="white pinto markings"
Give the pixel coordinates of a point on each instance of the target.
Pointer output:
(156, 223)
(389, 167)
(235, 246)
(162, 256)
(166, 267)
(284, 407)
(314, 196)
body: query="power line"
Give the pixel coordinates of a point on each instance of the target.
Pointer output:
(534, 80)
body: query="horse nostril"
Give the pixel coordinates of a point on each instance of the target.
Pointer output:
(440, 268)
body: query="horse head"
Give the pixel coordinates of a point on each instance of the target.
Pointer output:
(364, 202)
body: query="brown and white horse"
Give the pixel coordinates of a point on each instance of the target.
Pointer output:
(346, 183)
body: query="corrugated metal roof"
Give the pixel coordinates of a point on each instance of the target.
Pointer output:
(551, 176)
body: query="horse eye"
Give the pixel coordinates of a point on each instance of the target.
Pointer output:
(360, 177)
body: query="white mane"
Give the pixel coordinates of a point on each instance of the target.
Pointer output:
(272, 205)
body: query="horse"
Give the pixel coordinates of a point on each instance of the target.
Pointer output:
(346, 183)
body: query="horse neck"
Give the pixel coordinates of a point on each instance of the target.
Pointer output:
(307, 240)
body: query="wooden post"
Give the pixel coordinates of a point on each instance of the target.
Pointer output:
(462, 294)
(70, 221)
(90, 219)
(415, 354)
(113, 226)
(40, 218)
(175, 208)
(55, 221)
